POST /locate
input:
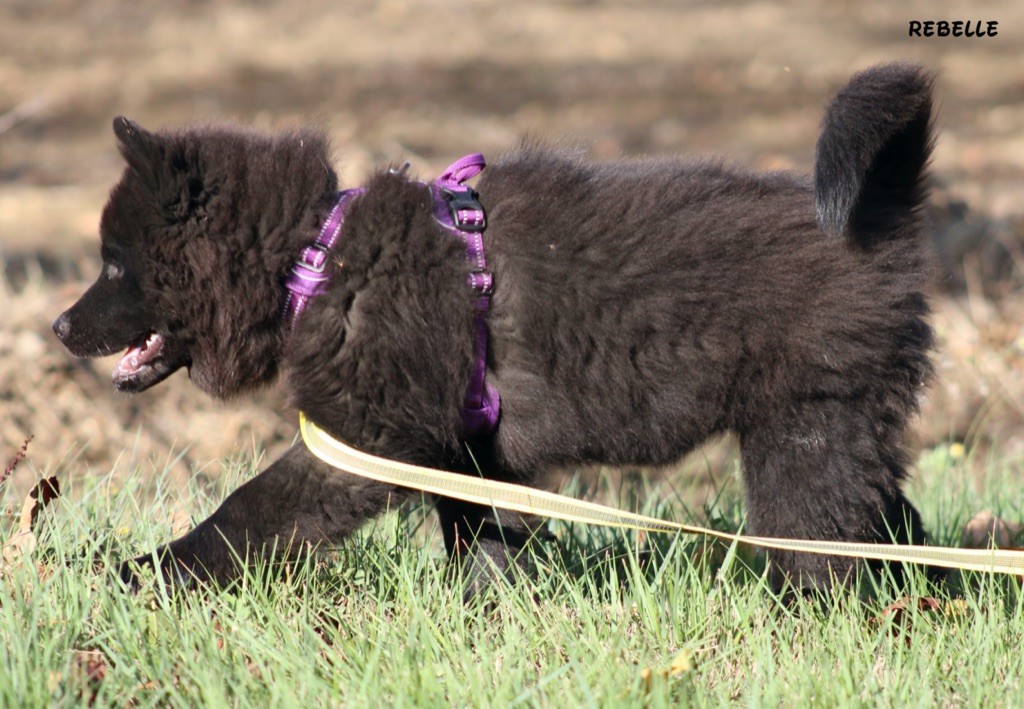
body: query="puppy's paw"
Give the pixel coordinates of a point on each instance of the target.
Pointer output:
(162, 567)
(484, 573)
(481, 585)
(129, 574)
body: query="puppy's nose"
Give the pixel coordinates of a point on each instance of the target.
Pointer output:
(62, 326)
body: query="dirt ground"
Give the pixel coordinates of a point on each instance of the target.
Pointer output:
(428, 81)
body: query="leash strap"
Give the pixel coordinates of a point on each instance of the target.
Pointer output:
(518, 498)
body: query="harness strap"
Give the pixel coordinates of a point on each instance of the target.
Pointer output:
(308, 277)
(458, 210)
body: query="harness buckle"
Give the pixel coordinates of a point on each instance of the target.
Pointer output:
(482, 282)
(308, 263)
(465, 200)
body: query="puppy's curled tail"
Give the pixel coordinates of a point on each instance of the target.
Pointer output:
(875, 143)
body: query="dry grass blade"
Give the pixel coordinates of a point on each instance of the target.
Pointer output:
(18, 457)
(902, 613)
(46, 491)
(88, 670)
(23, 542)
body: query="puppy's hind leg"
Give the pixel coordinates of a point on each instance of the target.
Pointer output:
(296, 503)
(486, 545)
(825, 470)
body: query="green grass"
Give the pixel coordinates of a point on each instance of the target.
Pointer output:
(380, 623)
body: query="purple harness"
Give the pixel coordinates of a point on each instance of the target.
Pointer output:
(458, 210)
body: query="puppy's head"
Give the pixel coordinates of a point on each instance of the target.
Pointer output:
(195, 241)
(119, 311)
(113, 315)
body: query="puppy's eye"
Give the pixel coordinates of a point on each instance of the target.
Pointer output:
(113, 270)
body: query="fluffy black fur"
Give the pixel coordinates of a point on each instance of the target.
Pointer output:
(640, 307)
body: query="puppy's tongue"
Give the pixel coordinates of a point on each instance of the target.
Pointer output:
(138, 355)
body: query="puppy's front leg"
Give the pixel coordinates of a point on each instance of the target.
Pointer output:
(297, 502)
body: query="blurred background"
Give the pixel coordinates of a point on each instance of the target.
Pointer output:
(430, 80)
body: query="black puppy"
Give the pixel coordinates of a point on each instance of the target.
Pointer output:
(638, 308)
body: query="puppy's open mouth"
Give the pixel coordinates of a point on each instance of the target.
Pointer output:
(144, 364)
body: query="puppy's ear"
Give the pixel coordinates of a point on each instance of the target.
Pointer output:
(136, 144)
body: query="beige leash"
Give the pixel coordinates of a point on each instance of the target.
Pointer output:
(527, 500)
